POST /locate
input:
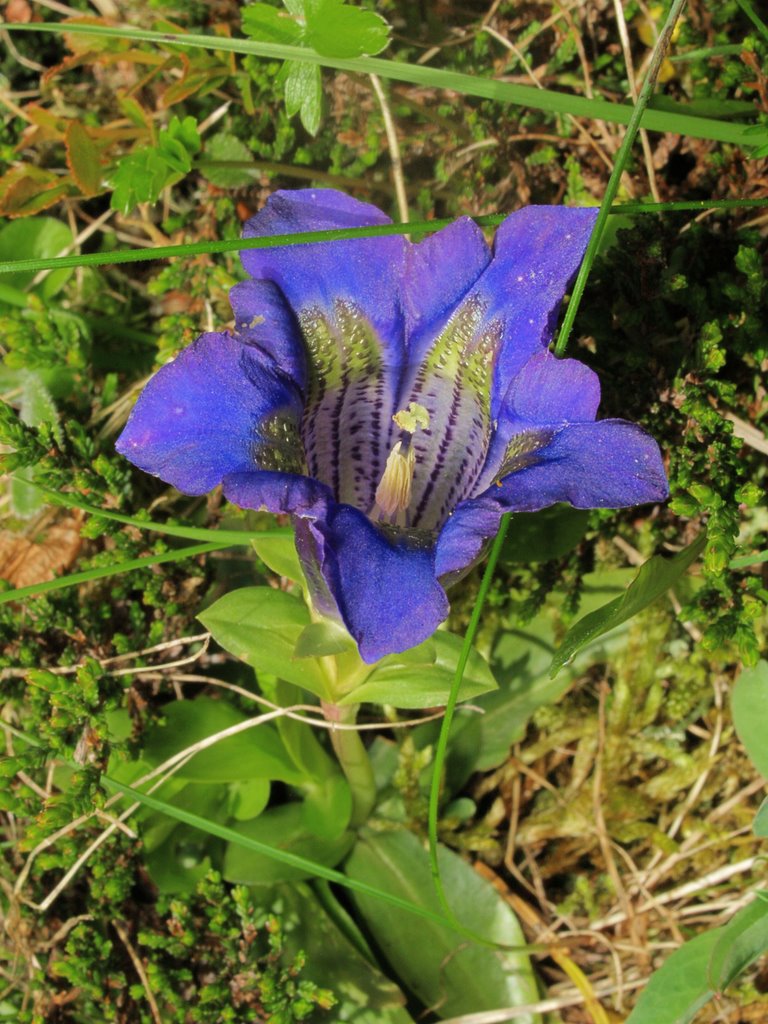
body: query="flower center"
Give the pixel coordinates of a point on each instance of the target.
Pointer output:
(393, 495)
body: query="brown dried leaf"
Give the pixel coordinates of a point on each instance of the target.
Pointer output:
(25, 562)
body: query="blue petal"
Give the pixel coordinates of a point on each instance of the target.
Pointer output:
(289, 493)
(218, 408)
(364, 271)
(346, 296)
(307, 501)
(263, 318)
(547, 392)
(610, 464)
(536, 252)
(439, 271)
(384, 586)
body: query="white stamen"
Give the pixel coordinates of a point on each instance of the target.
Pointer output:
(393, 495)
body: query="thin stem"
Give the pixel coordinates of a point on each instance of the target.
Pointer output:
(445, 729)
(657, 58)
(165, 252)
(35, 589)
(354, 761)
(549, 100)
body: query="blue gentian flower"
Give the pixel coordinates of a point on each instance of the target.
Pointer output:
(394, 399)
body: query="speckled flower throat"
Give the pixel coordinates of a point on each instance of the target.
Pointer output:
(394, 399)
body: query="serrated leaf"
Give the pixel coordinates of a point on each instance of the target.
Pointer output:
(227, 147)
(83, 158)
(680, 987)
(335, 29)
(261, 21)
(185, 132)
(406, 683)
(261, 626)
(653, 579)
(749, 705)
(304, 93)
(37, 407)
(742, 941)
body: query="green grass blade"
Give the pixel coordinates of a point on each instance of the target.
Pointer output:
(99, 259)
(759, 24)
(441, 750)
(283, 856)
(230, 538)
(75, 578)
(644, 96)
(547, 100)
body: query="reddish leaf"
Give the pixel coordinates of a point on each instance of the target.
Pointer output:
(25, 190)
(83, 159)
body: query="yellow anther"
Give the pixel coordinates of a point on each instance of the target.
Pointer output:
(412, 418)
(393, 495)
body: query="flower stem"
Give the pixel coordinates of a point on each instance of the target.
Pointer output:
(354, 761)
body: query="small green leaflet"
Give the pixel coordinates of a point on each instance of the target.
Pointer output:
(330, 27)
(653, 579)
(142, 175)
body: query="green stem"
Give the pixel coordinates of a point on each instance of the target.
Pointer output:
(354, 761)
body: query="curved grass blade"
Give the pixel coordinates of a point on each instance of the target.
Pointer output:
(445, 727)
(228, 538)
(88, 575)
(548, 100)
(164, 252)
(291, 859)
(657, 58)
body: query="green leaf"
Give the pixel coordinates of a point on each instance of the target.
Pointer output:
(322, 639)
(256, 753)
(327, 806)
(749, 704)
(653, 579)
(184, 133)
(335, 29)
(405, 683)
(444, 970)
(365, 995)
(278, 552)
(760, 824)
(261, 626)
(83, 158)
(283, 827)
(37, 407)
(679, 989)
(742, 941)
(260, 21)
(247, 798)
(141, 176)
(35, 238)
(304, 93)
(224, 146)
